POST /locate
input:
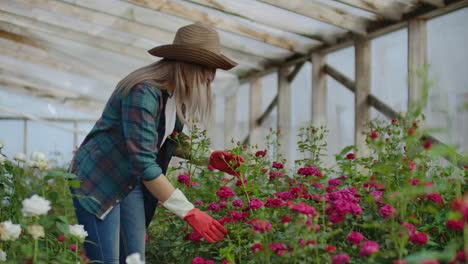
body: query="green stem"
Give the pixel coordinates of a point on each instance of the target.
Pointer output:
(465, 235)
(35, 251)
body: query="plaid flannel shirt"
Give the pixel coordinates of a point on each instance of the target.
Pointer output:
(122, 148)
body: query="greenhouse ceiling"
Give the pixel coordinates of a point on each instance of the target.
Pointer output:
(75, 51)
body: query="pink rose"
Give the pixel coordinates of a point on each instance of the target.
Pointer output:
(61, 239)
(198, 260)
(277, 165)
(255, 203)
(435, 197)
(368, 248)
(256, 248)
(261, 153)
(225, 192)
(197, 202)
(273, 202)
(278, 248)
(73, 247)
(237, 203)
(340, 259)
(286, 219)
(429, 261)
(194, 236)
(455, 224)
(260, 225)
(334, 182)
(241, 182)
(355, 238)
(214, 207)
(184, 178)
(330, 248)
(350, 156)
(304, 209)
(400, 262)
(387, 211)
(374, 134)
(418, 238)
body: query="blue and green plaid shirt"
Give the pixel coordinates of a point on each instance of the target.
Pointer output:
(123, 148)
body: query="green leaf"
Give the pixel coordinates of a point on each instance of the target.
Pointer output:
(74, 184)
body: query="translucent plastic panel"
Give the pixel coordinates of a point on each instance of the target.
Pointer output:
(390, 71)
(269, 92)
(340, 103)
(12, 136)
(37, 107)
(56, 144)
(301, 90)
(242, 113)
(447, 108)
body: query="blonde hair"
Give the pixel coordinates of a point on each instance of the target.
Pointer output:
(190, 83)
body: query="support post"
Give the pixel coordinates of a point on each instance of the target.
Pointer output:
(319, 90)
(230, 103)
(363, 88)
(25, 136)
(255, 111)
(417, 62)
(284, 112)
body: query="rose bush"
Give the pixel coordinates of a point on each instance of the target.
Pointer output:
(402, 203)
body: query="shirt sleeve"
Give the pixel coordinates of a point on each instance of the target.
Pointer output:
(140, 119)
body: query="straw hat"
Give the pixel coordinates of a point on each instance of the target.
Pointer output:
(196, 43)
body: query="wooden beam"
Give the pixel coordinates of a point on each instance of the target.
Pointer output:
(339, 77)
(115, 33)
(417, 63)
(255, 110)
(391, 10)
(284, 112)
(319, 90)
(295, 71)
(437, 3)
(230, 119)
(267, 112)
(268, 16)
(363, 88)
(334, 16)
(180, 9)
(347, 41)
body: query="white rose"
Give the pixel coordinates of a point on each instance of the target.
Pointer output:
(3, 255)
(36, 205)
(20, 157)
(37, 156)
(2, 159)
(9, 231)
(43, 165)
(36, 231)
(78, 231)
(134, 258)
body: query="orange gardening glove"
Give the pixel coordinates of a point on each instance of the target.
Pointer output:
(209, 228)
(226, 162)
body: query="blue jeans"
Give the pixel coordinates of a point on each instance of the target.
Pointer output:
(121, 233)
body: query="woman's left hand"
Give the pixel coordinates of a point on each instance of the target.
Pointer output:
(226, 162)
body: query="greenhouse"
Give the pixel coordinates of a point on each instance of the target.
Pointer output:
(299, 131)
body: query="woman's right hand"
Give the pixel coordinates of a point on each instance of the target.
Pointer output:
(207, 226)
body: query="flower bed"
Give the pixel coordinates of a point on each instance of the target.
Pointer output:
(399, 204)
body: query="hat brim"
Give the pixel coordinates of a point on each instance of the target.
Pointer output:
(194, 55)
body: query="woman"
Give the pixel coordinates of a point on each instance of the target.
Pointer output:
(122, 161)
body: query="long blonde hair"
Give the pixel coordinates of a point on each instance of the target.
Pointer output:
(190, 83)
